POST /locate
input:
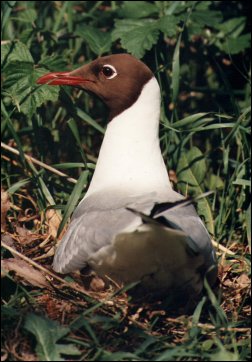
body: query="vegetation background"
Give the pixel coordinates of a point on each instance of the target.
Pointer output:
(200, 54)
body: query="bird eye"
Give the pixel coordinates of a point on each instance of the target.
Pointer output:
(109, 71)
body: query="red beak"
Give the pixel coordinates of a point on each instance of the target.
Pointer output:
(61, 78)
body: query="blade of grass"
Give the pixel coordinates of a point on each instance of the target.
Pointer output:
(43, 188)
(17, 185)
(7, 7)
(60, 16)
(68, 165)
(73, 199)
(216, 304)
(176, 71)
(14, 134)
(73, 126)
(85, 117)
(96, 6)
(190, 119)
(241, 118)
(214, 126)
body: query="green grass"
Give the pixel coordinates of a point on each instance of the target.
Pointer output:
(199, 53)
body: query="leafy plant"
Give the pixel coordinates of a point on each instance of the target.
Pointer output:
(199, 52)
(47, 334)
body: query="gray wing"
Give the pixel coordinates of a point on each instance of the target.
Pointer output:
(100, 218)
(186, 219)
(94, 225)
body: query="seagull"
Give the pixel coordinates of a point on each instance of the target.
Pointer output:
(131, 226)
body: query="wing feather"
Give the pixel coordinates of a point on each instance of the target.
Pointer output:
(96, 224)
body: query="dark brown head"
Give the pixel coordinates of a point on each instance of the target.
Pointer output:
(116, 79)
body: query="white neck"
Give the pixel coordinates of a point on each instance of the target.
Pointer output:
(130, 158)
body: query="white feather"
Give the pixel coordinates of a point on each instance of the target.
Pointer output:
(130, 158)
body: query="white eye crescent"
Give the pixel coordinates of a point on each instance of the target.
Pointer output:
(109, 71)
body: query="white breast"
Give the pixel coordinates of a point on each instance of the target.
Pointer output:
(130, 157)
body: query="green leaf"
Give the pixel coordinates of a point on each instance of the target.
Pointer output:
(21, 86)
(98, 41)
(197, 163)
(136, 36)
(137, 9)
(26, 37)
(202, 5)
(15, 52)
(73, 199)
(180, 8)
(235, 46)
(233, 27)
(124, 26)
(207, 345)
(201, 18)
(242, 182)
(224, 355)
(168, 25)
(47, 334)
(205, 18)
(53, 62)
(9, 312)
(26, 16)
(214, 182)
(191, 172)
